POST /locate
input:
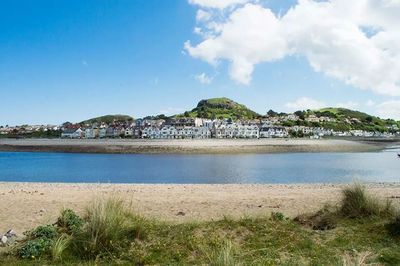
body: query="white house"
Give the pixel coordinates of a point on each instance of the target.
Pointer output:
(201, 132)
(312, 118)
(102, 132)
(78, 134)
(91, 133)
(68, 133)
(168, 132)
(151, 132)
(128, 132)
(219, 131)
(252, 131)
(273, 132)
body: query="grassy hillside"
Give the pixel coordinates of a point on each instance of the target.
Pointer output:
(108, 119)
(359, 120)
(221, 108)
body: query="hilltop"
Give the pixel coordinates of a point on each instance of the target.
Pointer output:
(221, 108)
(108, 119)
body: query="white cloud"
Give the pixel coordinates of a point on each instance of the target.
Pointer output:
(203, 15)
(221, 4)
(203, 78)
(389, 109)
(304, 103)
(370, 103)
(357, 42)
(171, 110)
(241, 43)
(348, 105)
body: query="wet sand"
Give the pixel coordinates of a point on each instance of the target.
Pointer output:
(207, 146)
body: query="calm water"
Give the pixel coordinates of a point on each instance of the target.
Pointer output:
(255, 168)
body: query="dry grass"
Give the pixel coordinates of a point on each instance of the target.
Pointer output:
(357, 203)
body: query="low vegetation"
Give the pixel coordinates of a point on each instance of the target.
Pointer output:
(221, 108)
(108, 119)
(361, 230)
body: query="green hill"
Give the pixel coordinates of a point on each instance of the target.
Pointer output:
(221, 108)
(359, 120)
(108, 119)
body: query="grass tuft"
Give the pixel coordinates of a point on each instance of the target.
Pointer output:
(357, 203)
(224, 255)
(357, 259)
(108, 224)
(59, 247)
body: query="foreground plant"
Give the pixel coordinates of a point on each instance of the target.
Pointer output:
(357, 203)
(39, 242)
(60, 246)
(224, 256)
(69, 221)
(108, 225)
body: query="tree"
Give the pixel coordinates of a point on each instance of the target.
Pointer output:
(300, 114)
(272, 113)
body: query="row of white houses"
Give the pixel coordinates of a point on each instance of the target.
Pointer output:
(172, 132)
(233, 130)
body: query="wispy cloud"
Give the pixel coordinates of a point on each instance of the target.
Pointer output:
(304, 103)
(389, 109)
(203, 78)
(370, 103)
(171, 110)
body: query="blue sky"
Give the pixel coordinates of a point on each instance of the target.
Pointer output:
(72, 60)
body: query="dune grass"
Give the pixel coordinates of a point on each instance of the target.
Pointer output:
(60, 246)
(111, 234)
(357, 203)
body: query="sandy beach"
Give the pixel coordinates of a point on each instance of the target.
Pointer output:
(207, 146)
(25, 205)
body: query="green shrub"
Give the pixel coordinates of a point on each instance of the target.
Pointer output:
(277, 216)
(394, 226)
(35, 248)
(356, 203)
(46, 232)
(108, 225)
(69, 221)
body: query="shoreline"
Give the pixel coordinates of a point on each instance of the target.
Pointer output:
(26, 205)
(174, 146)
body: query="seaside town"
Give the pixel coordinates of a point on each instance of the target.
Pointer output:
(270, 126)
